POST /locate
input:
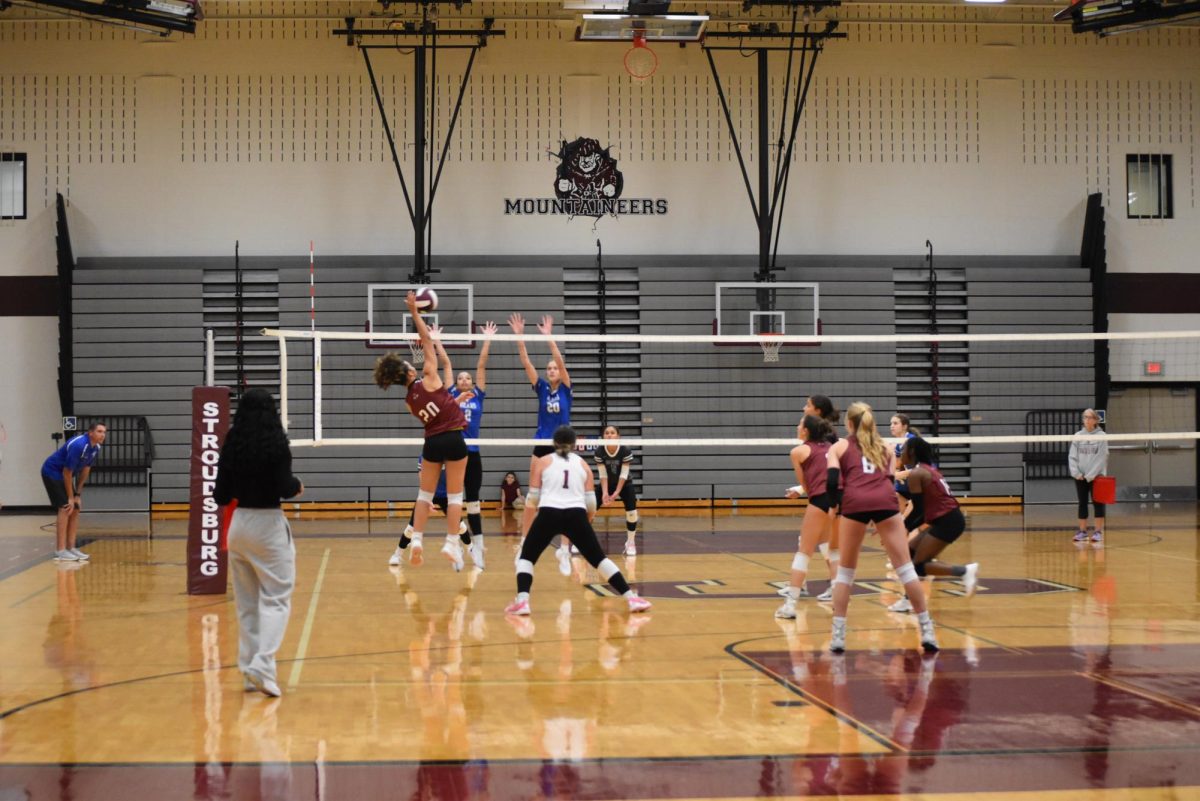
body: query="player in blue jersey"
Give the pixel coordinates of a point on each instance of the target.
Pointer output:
(554, 410)
(470, 394)
(64, 473)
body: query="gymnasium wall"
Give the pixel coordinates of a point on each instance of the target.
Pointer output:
(982, 129)
(139, 351)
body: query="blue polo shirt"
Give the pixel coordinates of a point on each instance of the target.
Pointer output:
(74, 455)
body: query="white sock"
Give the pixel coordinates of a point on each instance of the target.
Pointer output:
(923, 618)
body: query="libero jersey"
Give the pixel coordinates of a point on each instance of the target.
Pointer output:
(436, 409)
(554, 408)
(564, 483)
(866, 487)
(472, 409)
(612, 463)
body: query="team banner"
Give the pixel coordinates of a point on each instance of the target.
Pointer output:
(207, 555)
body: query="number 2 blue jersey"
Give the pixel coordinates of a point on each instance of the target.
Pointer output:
(554, 408)
(472, 409)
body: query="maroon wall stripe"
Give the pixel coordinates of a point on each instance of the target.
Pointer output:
(28, 296)
(1154, 293)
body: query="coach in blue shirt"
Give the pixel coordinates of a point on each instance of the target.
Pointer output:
(64, 473)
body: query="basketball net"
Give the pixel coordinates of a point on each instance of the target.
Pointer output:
(640, 61)
(770, 347)
(418, 352)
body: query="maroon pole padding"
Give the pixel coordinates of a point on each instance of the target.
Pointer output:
(207, 556)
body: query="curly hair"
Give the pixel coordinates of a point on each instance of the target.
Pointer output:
(256, 436)
(391, 369)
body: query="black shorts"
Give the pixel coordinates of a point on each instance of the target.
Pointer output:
(902, 490)
(876, 516)
(56, 491)
(543, 450)
(949, 527)
(821, 502)
(448, 446)
(628, 496)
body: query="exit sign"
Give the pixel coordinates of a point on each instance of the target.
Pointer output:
(1153, 368)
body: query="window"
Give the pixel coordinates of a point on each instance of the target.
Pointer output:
(1148, 179)
(12, 186)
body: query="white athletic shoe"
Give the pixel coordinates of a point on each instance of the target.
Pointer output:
(971, 578)
(638, 603)
(574, 550)
(837, 642)
(928, 638)
(564, 560)
(83, 557)
(782, 592)
(263, 685)
(519, 606)
(787, 611)
(454, 552)
(65, 555)
(477, 551)
(827, 596)
(396, 557)
(903, 605)
(630, 549)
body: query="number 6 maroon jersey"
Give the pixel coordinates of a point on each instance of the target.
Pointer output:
(436, 410)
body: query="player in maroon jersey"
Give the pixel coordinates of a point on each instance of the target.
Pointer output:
(935, 520)
(429, 401)
(809, 462)
(868, 496)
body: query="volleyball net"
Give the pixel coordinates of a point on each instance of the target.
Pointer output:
(709, 411)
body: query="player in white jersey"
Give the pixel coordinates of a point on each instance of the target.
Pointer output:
(561, 488)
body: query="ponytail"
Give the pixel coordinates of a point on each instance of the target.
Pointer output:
(865, 433)
(564, 441)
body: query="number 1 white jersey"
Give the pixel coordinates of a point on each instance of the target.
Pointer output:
(564, 483)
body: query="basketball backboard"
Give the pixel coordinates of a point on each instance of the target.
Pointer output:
(387, 313)
(625, 27)
(750, 307)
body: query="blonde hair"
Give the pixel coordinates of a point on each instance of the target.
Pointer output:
(866, 435)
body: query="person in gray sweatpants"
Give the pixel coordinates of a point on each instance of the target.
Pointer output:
(255, 469)
(1087, 460)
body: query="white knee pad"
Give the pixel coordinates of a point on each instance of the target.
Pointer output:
(454, 499)
(906, 573)
(425, 497)
(631, 517)
(824, 549)
(608, 568)
(845, 575)
(800, 562)
(472, 507)
(531, 497)
(525, 566)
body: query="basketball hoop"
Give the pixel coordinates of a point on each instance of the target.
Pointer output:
(770, 347)
(640, 60)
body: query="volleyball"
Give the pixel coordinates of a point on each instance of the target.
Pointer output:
(427, 299)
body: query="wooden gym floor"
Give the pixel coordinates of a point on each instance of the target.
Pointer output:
(1073, 673)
